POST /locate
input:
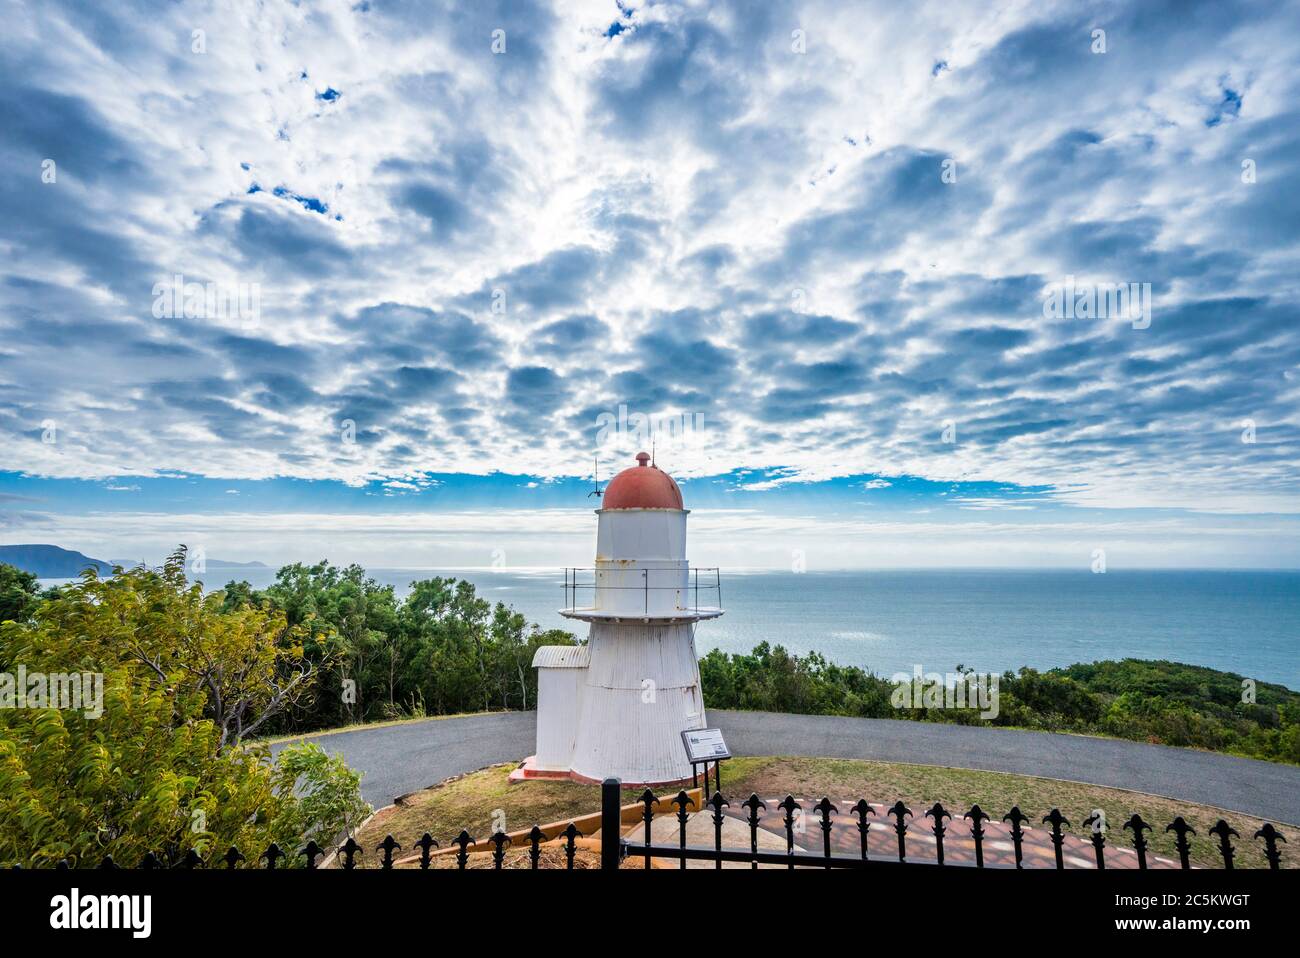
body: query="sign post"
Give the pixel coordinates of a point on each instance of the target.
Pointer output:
(705, 745)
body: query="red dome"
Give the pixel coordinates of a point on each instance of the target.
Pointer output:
(642, 487)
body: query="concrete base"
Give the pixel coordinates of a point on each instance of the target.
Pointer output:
(529, 772)
(666, 830)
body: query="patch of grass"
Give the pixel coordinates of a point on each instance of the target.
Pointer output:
(920, 786)
(480, 803)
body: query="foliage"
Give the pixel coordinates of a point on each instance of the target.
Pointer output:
(243, 665)
(162, 768)
(1154, 701)
(329, 793)
(438, 651)
(20, 593)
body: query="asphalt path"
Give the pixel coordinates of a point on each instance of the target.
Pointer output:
(398, 759)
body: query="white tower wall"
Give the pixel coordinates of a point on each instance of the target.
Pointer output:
(642, 691)
(642, 686)
(641, 567)
(618, 707)
(561, 674)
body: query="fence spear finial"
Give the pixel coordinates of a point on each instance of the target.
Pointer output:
(789, 806)
(350, 851)
(977, 815)
(1097, 823)
(535, 839)
(426, 845)
(862, 809)
(571, 835)
(825, 809)
(1181, 829)
(463, 842)
(683, 802)
(387, 846)
(272, 855)
(1225, 832)
(938, 813)
(900, 812)
(718, 803)
(1271, 837)
(1017, 818)
(1137, 826)
(500, 840)
(1057, 821)
(753, 804)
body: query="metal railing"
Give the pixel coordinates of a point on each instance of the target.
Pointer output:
(615, 848)
(694, 587)
(826, 809)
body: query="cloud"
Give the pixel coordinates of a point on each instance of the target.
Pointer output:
(535, 388)
(831, 250)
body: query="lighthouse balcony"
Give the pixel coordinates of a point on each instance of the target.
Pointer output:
(640, 592)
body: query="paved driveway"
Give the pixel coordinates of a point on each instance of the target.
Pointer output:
(397, 759)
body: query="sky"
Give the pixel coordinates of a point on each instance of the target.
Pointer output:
(396, 282)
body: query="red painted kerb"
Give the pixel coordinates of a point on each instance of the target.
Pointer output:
(642, 487)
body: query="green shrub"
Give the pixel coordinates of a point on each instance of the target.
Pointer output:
(159, 764)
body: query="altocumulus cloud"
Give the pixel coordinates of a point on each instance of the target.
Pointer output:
(827, 228)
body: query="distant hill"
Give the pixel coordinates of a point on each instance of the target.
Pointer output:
(51, 562)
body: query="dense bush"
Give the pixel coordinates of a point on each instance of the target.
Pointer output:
(322, 646)
(438, 651)
(20, 594)
(160, 761)
(1152, 701)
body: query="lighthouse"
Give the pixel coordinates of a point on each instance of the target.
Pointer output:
(617, 706)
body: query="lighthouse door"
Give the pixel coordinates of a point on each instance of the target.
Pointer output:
(694, 708)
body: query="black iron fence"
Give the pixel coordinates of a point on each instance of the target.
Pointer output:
(615, 849)
(825, 810)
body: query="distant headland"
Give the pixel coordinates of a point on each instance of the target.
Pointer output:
(55, 562)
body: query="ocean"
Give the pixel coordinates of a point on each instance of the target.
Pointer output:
(1246, 622)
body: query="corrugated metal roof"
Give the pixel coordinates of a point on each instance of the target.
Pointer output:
(562, 657)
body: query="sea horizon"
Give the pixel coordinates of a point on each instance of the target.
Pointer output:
(991, 620)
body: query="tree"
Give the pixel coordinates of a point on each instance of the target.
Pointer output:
(441, 649)
(19, 591)
(246, 664)
(163, 763)
(348, 618)
(329, 801)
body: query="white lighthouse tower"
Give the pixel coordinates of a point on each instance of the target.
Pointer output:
(618, 705)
